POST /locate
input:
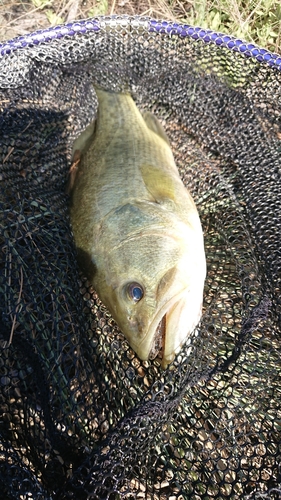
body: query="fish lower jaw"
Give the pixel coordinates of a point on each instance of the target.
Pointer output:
(181, 332)
(169, 358)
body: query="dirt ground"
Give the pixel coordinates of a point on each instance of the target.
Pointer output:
(22, 17)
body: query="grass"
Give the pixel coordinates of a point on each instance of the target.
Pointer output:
(252, 20)
(257, 22)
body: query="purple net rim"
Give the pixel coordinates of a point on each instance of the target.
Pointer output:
(151, 25)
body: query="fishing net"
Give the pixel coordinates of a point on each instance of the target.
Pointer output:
(81, 415)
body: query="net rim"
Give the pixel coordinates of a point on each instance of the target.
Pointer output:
(96, 24)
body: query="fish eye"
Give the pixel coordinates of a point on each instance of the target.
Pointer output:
(135, 291)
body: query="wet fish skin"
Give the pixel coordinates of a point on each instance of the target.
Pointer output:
(134, 222)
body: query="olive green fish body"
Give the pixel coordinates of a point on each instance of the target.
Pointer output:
(137, 229)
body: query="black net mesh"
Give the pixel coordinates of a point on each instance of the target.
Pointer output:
(81, 415)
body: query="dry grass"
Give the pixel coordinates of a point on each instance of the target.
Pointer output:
(255, 21)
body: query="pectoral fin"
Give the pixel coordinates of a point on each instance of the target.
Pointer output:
(73, 171)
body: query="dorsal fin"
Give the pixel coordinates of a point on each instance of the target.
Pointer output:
(168, 190)
(153, 123)
(159, 183)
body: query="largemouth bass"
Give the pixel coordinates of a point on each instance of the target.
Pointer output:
(136, 228)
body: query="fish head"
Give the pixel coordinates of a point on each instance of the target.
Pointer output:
(151, 275)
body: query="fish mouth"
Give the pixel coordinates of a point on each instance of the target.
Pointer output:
(158, 330)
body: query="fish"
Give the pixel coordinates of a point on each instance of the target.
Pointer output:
(136, 228)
